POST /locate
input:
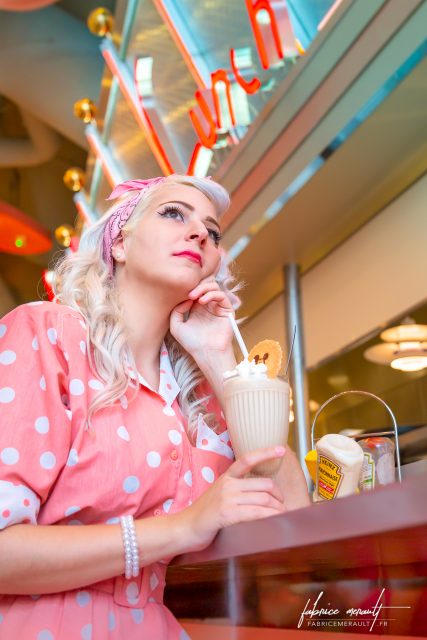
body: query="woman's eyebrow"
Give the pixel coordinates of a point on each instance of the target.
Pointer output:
(185, 204)
(191, 208)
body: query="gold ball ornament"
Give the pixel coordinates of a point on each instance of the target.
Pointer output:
(74, 179)
(85, 110)
(63, 235)
(100, 22)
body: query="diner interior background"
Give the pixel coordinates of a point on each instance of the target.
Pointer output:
(377, 164)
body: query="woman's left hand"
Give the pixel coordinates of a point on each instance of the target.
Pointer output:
(207, 327)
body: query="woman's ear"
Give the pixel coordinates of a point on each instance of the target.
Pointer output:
(118, 250)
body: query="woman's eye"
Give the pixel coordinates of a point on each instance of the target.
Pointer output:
(172, 212)
(215, 235)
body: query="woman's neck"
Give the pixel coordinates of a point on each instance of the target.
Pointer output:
(146, 316)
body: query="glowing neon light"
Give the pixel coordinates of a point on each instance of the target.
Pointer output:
(200, 161)
(221, 76)
(249, 87)
(207, 139)
(253, 10)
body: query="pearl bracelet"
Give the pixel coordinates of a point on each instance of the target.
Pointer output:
(130, 546)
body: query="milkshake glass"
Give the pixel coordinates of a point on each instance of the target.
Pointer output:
(256, 412)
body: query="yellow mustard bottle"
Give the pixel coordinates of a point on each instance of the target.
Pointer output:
(339, 462)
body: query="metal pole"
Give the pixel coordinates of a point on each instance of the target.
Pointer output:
(298, 378)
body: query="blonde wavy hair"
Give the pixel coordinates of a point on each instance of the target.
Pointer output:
(85, 284)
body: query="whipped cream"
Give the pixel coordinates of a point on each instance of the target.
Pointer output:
(246, 369)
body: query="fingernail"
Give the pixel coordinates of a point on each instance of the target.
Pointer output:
(280, 450)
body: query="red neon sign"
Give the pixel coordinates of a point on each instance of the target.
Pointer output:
(207, 139)
(253, 11)
(207, 117)
(249, 87)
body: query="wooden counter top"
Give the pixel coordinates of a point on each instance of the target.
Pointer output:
(386, 526)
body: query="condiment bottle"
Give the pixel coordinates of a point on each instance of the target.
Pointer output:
(378, 462)
(339, 461)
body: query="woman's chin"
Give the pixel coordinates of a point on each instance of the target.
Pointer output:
(183, 282)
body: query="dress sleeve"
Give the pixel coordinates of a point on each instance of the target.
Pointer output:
(35, 429)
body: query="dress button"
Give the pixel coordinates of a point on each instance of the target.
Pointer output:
(174, 455)
(157, 512)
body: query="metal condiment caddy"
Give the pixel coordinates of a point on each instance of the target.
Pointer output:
(363, 435)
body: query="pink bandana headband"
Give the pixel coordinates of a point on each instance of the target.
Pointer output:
(123, 212)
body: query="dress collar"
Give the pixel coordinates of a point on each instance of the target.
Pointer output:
(168, 386)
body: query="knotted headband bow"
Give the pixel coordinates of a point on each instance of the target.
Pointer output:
(123, 212)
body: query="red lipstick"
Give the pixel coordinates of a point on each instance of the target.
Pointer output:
(191, 255)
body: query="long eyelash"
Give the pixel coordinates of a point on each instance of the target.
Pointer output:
(216, 236)
(171, 208)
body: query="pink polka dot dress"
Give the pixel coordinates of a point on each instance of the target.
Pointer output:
(136, 460)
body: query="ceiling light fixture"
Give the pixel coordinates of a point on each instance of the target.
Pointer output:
(404, 347)
(100, 22)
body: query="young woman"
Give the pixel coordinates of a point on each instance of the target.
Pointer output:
(111, 418)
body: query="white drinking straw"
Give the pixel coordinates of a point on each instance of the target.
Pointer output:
(238, 335)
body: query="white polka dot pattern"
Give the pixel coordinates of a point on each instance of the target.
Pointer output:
(71, 510)
(153, 459)
(43, 383)
(77, 387)
(167, 505)
(86, 632)
(137, 615)
(45, 634)
(3, 330)
(47, 460)
(175, 437)
(111, 621)
(52, 335)
(96, 385)
(73, 458)
(168, 411)
(154, 581)
(35, 343)
(7, 357)
(132, 593)
(41, 425)
(208, 474)
(83, 598)
(123, 433)
(7, 394)
(188, 478)
(9, 455)
(130, 484)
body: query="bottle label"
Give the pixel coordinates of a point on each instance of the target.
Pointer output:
(367, 473)
(329, 476)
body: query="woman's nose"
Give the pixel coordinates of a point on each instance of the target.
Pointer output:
(197, 231)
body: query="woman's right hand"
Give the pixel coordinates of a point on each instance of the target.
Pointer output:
(231, 499)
